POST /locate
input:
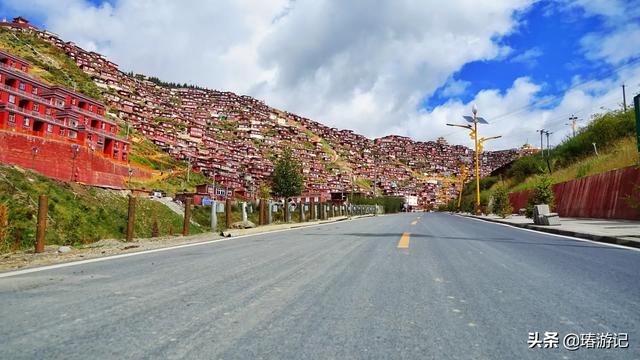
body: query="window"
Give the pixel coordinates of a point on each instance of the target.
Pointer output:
(61, 132)
(74, 123)
(103, 126)
(49, 128)
(26, 122)
(73, 101)
(12, 99)
(12, 119)
(34, 90)
(22, 86)
(35, 107)
(60, 103)
(90, 107)
(72, 134)
(47, 111)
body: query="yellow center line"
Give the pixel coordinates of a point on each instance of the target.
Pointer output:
(414, 222)
(404, 241)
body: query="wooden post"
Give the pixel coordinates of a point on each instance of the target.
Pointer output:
(227, 213)
(187, 216)
(312, 209)
(17, 245)
(41, 227)
(263, 211)
(131, 217)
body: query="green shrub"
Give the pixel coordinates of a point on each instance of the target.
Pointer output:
(501, 203)
(542, 194)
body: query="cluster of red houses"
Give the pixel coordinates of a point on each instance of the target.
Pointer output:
(30, 106)
(237, 138)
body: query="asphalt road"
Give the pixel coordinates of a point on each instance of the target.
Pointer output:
(457, 289)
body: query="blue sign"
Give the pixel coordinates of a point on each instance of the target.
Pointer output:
(207, 201)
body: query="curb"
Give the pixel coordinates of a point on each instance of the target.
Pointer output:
(593, 237)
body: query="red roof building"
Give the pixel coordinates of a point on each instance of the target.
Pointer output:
(29, 106)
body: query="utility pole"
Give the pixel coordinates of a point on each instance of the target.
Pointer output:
(541, 131)
(548, 149)
(624, 98)
(574, 121)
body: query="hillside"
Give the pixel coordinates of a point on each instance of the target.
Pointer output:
(238, 137)
(575, 157)
(78, 214)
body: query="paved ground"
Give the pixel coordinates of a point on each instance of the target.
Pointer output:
(607, 230)
(457, 288)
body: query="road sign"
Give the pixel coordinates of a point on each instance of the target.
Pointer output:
(636, 104)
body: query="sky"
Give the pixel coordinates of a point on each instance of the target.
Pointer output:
(378, 67)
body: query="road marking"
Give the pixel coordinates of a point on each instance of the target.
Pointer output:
(120, 256)
(404, 241)
(414, 222)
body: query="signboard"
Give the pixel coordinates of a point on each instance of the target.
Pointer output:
(207, 201)
(636, 104)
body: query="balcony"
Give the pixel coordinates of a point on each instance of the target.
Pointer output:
(32, 114)
(28, 95)
(19, 72)
(89, 113)
(102, 132)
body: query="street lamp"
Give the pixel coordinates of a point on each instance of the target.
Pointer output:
(473, 133)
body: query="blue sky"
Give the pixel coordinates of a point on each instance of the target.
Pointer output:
(404, 68)
(551, 35)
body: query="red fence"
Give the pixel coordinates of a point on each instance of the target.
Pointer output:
(55, 159)
(598, 196)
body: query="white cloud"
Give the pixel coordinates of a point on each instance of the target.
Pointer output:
(455, 87)
(616, 47)
(529, 57)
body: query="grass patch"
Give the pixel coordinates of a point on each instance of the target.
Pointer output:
(78, 214)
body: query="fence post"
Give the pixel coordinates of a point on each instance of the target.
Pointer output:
(261, 213)
(285, 209)
(41, 227)
(301, 210)
(214, 215)
(312, 208)
(227, 213)
(269, 212)
(131, 216)
(187, 217)
(244, 211)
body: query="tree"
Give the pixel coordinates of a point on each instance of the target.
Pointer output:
(264, 190)
(542, 194)
(287, 175)
(501, 204)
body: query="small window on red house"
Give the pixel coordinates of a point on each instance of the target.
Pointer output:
(12, 99)
(35, 107)
(26, 122)
(34, 91)
(72, 134)
(22, 86)
(47, 111)
(49, 128)
(61, 132)
(12, 119)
